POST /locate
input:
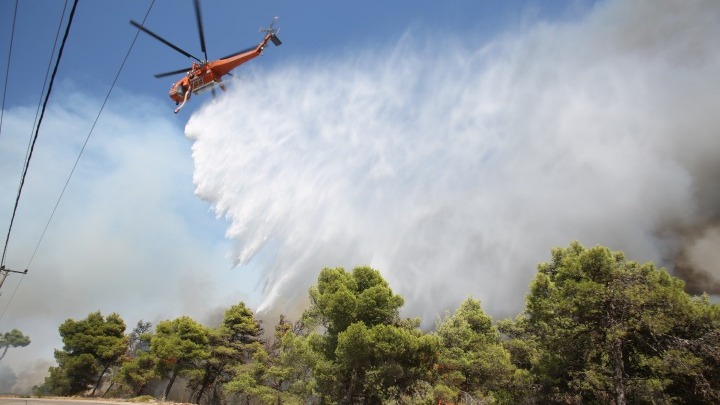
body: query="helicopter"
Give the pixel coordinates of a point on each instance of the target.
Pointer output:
(203, 74)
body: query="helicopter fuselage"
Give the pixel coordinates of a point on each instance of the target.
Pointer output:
(203, 77)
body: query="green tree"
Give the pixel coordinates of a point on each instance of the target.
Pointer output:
(181, 347)
(472, 359)
(138, 367)
(232, 343)
(73, 375)
(102, 338)
(280, 370)
(91, 347)
(365, 352)
(384, 362)
(136, 372)
(139, 338)
(597, 328)
(14, 338)
(342, 298)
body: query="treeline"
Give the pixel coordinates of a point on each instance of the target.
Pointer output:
(596, 329)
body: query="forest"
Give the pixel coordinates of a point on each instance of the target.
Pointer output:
(596, 328)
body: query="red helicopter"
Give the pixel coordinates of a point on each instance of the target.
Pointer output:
(204, 75)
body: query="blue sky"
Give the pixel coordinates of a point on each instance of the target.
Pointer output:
(101, 34)
(450, 145)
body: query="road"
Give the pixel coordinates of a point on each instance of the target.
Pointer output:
(57, 401)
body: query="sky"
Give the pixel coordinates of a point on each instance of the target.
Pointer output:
(450, 146)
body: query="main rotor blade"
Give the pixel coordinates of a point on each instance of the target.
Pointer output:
(252, 48)
(200, 28)
(159, 75)
(163, 40)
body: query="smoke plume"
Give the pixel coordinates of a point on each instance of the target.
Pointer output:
(454, 167)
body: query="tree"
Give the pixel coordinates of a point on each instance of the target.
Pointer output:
(102, 339)
(472, 359)
(91, 347)
(14, 338)
(136, 372)
(280, 370)
(139, 338)
(341, 298)
(291, 362)
(597, 328)
(139, 365)
(73, 375)
(365, 353)
(232, 343)
(384, 362)
(180, 345)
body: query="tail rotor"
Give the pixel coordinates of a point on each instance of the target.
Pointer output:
(272, 31)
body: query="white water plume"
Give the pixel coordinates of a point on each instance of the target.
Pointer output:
(454, 169)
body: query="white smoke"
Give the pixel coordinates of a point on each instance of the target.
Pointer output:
(454, 169)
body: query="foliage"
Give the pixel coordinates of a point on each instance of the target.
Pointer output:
(365, 353)
(598, 328)
(137, 372)
(382, 362)
(341, 299)
(595, 329)
(231, 344)
(14, 338)
(139, 338)
(73, 375)
(91, 347)
(472, 358)
(181, 347)
(138, 367)
(279, 371)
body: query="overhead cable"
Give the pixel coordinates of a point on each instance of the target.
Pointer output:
(37, 130)
(102, 107)
(7, 68)
(117, 75)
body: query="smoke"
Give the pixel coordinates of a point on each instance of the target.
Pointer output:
(698, 261)
(21, 384)
(7, 379)
(128, 237)
(454, 168)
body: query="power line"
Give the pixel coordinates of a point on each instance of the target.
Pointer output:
(102, 107)
(3, 271)
(7, 68)
(47, 77)
(112, 86)
(37, 130)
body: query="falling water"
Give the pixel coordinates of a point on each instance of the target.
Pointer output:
(454, 169)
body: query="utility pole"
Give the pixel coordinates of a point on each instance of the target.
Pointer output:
(4, 273)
